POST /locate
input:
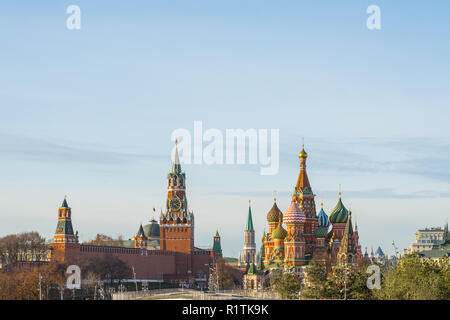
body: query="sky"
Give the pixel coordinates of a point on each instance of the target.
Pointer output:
(89, 113)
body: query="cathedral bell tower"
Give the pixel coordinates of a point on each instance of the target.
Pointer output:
(177, 223)
(304, 197)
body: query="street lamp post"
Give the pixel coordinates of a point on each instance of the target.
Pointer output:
(134, 276)
(160, 278)
(345, 282)
(40, 287)
(345, 279)
(217, 277)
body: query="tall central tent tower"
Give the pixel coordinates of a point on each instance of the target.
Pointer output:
(304, 198)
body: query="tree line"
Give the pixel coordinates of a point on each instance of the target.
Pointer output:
(22, 246)
(412, 278)
(48, 282)
(22, 280)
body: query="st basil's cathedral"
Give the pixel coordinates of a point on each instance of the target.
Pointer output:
(300, 235)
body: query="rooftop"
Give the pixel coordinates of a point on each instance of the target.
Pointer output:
(436, 229)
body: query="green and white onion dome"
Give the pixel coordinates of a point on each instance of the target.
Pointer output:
(339, 214)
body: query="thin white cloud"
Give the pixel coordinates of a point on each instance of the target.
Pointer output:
(38, 150)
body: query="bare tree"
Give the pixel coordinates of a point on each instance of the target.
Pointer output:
(9, 249)
(23, 246)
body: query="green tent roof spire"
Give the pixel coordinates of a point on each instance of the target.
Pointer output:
(249, 226)
(251, 269)
(176, 167)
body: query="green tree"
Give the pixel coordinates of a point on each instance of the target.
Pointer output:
(416, 278)
(286, 284)
(339, 283)
(359, 289)
(316, 286)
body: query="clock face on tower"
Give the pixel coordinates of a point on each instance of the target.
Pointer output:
(175, 204)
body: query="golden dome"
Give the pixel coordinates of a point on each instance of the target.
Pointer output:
(303, 154)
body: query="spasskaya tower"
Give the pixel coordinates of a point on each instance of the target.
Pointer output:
(177, 223)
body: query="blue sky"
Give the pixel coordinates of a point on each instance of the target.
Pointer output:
(89, 113)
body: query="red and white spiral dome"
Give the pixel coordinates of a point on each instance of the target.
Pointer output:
(294, 214)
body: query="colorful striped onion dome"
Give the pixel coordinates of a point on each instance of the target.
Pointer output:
(275, 214)
(294, 214)
(322, 219)
(279, 233)
(339, 214)
(321, 232)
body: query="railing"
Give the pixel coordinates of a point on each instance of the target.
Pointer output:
(235, 295)
(198, 295)
(133, 295)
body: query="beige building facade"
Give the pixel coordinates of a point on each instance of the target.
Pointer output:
(427, 239)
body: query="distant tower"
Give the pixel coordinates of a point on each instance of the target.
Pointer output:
(177, 224)
(249, 253)
(65, 242)
(140, 239)
(304, 197)
(217, 247)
